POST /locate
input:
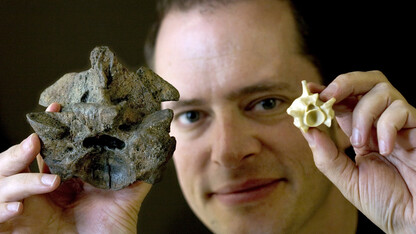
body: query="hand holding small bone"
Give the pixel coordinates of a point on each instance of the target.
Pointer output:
(381, 127)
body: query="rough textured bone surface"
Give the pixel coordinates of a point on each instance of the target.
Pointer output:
(111, 130)
(308, 111)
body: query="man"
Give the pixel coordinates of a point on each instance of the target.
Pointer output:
(242, 165)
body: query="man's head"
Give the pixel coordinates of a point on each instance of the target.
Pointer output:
(242, 165)
(165, 6)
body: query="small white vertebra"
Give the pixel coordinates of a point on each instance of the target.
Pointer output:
(308, 111)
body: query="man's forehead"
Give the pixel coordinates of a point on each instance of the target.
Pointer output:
(237, 24)
(203, 56)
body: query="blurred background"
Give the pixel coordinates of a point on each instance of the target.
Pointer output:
(42, 40)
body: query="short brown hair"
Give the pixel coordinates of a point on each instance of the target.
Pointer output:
(165, 6)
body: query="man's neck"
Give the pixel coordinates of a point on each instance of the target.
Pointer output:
(338, 215)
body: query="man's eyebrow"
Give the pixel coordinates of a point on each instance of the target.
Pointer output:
(258, 88)
(185, 103)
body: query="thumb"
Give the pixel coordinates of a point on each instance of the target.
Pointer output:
(133, 195)
(332, 162)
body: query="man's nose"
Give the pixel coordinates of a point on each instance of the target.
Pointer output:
(234, 139)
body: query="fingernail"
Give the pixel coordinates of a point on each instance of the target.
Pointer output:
(27, 143)
(48, 179)
(356, 137)
(49, 108)
(13, 206)
(382, 147)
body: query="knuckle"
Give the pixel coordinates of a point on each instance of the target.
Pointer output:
(399, 104)
(386, 90)
(17, 155)
(386, 127)
(380, 77)
(346, 79)
(6, 193)
(20, 185)
(28, 179)
(9, 152)
(383, 86)
(383, 122)
(6, 197)
(378, 73)
(346, 76)
(393, 114)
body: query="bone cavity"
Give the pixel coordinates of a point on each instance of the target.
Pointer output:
(308, 111)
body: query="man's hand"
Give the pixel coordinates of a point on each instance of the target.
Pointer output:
(38, 203)
(381, 127)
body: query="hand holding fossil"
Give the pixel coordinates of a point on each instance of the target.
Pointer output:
(111, 130)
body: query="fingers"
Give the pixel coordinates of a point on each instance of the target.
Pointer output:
(370, 107)
(16, 186)
(40, 162)
(54, 107)
(398, 116)
(10, 210)
(23, 185)
(43, 168)
(334, 164)
(352, 84)
(18, 157)
(141, 189)
(369, 110)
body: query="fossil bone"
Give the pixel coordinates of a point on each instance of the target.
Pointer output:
(308, 111)
(111, 130)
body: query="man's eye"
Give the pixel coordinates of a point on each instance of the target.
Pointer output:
(265, 104)
(189, 117)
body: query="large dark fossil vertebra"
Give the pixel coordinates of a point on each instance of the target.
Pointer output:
(111, 130)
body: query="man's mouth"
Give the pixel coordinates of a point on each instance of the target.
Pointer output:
(246, 192)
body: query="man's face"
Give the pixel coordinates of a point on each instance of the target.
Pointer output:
(242, 165)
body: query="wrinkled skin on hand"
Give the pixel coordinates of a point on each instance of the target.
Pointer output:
(380, 125)
(71, 207)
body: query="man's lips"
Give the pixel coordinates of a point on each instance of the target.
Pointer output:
(248, 191)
